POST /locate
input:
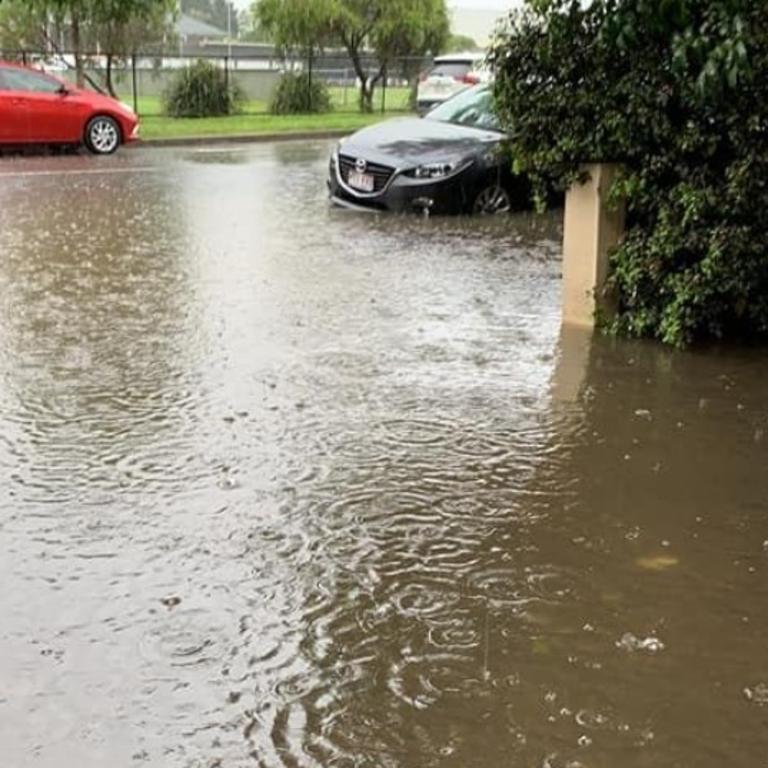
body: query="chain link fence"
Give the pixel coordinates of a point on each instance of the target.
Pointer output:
(141, 79)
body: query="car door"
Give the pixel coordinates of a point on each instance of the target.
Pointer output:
(49, 112)
(13, 115)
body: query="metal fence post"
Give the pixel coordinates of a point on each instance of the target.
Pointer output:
(384, 92)
(133, 84)
(310, 63)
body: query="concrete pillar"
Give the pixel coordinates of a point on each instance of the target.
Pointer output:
(572, 367)
(592, 229)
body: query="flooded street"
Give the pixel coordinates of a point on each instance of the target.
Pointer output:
(288, 486)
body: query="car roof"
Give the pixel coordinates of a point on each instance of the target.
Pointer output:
(16, 65)
(38, 70)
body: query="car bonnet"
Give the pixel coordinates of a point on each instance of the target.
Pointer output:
(410, 142)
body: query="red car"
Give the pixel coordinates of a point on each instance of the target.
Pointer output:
(36, 108)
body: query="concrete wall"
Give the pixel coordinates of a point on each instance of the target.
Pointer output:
(258, 85)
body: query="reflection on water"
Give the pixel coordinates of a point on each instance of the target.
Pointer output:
(285, 486)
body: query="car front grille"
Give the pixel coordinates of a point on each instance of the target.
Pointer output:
(381, 173)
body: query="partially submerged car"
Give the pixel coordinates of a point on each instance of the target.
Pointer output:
(449, 161)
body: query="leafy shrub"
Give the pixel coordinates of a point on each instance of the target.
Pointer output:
(675, 91)
(202, 90)
(298, 94)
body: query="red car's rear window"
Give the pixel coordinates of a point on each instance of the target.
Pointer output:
(27, 80)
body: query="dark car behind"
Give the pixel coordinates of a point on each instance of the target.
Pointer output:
(450, 161)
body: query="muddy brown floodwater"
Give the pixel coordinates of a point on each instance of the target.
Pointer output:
(286, 486)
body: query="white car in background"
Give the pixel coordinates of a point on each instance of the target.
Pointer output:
(448, 76)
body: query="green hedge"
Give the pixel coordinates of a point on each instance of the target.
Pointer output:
(201, 90)
(300, 94)
(676, 91)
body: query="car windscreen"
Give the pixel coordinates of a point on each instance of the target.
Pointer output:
(473, 107)
(455, 69)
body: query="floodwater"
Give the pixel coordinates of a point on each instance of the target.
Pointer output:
(287, 486)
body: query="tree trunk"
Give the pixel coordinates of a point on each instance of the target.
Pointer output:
(76, 43)
(367, 89)
(108, 76)
(413, 92)
(366, 95)
(310, 65)
(366, 86)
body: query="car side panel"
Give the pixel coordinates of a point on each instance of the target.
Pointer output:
(13, 116)
(55, 117)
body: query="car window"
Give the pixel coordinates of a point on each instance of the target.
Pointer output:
(473, 107)
(23, 80)
(454, 69)
(3, 83)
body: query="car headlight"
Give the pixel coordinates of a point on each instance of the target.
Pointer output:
(438, 170)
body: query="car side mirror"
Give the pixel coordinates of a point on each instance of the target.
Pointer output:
(63, 91)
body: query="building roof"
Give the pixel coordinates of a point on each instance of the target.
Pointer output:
(189, 26)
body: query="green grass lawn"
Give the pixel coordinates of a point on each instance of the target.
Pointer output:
(204, 127)
(394, 100)
(255, 118)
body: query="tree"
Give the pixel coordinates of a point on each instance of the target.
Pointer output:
(121, 28)
(390, 29)
(75, 14)
(675, 91)
(250, 28)
(219, 13)
(387, 29)
(115, 27)
(462, 43)
(29, 24)
(19, 26)
(295, 24)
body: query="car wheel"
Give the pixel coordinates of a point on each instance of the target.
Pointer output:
(492, 200)
(102, 135)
